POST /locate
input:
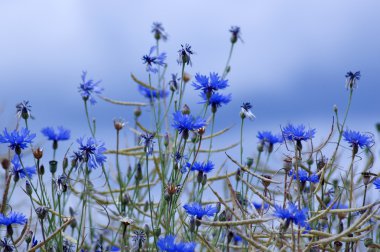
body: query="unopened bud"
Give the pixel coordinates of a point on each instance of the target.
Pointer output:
(137, 112)
(28, 188)
(157, 231)
(249, 162)
(185, 110)
(38, 153)
(65, 163)
(41, 170)
(186, 77)
(53, 166)
(5, 163)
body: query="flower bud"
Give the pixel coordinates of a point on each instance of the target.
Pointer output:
(192, 224)
(185, 110)
(288, 164)
(38, 153)
(118, 124)
(146, 229)
(28, 188)
(186, 77)
(157, 231)
(41, 170)
(5, 163)
(200, 177)
(65, 163)
(42, 212)
(338, 245)
(28, 236)
(146, 206)
(166, 140)
(249, 162)
(53, 166)
(204, 180)
(137, 112)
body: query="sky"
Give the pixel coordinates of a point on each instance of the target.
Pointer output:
(291, 64)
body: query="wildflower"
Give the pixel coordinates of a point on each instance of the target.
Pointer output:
(87, 89)
(60, 184)
(23, 110)
(268, 139)
(185, 122)
(146, 139)
(173, 83)
(118, 124)
(376, 183)
(68, 246)
(236, 34)
(196, 209)
(159, 31)
(303, 176)
(6, 245)
(209, 85)
(42, 212)
(260, 206)
(153, 94)
(246, 111)
(204, 167)
(62, 134)
(184, 55)
(17, 139)
(92, 152)
(139, 238)
(297, 133)
(152, 61)
(356, 139)
(168, 244)
(292, 214)
(215, 100)
(18, 171)
(12, 218)
(351, 79)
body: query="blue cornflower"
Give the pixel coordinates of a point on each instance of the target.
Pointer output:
(17, 139)
(356, 139)
(196, 209)
(351, 79)
(19, 172)
(173, 83)
(62, 134)
(209, 85)
(376, 183)
(88, 88)
(153, 61)
(159, 31)
(268, 139)
(13, 218)
(297, 133)
(153, 94)
(204, 167)
(237, 238)
(215, 100)
(245, 111)
(184, 55)
(23, 110)
(292, 214)
(6, 245)
(92, 152)
(146, 139)
(168, 244)
(303, 176)
(185, 122)
(260, 206)
(236, 34)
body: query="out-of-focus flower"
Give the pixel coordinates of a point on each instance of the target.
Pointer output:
(168, 244)
(292, 214)
(146, 139)
(235, 34)
(23, 110)
(215, 100)
(88, 88)
(184, 122)
(196, 209)
(152, 62)
(245, 111)
(351, 79)
(22, 172)
(356, 139)
(153, 94)
(159, 31)
(297, 133)
(204, 167)
(184, 55)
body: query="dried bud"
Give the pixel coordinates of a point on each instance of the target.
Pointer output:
(28, 236)
(288, 164)
(38, 153)
(186, 77)
(137, 112)
(338, 245)
(185, 110)
(118, 124)
(5, 163)
(265, 182)
(42, 212)
(41, 170)
(146, 229)
(201, 131)
(28, 188)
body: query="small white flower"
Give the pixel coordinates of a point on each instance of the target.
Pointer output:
(246, 111)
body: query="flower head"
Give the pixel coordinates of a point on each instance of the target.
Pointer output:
(215, 100)
(209, 85)
(92, 152)
(292, 214)
(6, 245)
(268, 139)
(61, 134)
(17, 140)
(196, 209)
(246, 111)
(146, 139)
(236, 34)
(260, 206)
(204, 167)
(184, 55)
(87, 88)
(152, 62)
(351, 79)
(173, 83)
(13, 218)
(297, 133)
(356, 139)
(23, 110)
(303, 176)
(376, 183)
(153, 94)
(22, 172)
(159, 31)
(168, 244)
(185, 122)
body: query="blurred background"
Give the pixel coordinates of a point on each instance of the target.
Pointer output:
(291, 65)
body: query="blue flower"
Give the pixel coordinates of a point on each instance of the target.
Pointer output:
(173, 83)
(268, 138)
(153, 94)
(297, 133)
(236, 34)
(19, 172)
(6, 245)
(23, 110)
(153, 61)
(260, 206)
(204, 167)
(168, 244)
(246, 111)
(351, 79)
(61, 134)
(215, 100)
(92, 152)
(292, 214)
(146, 140)
(376, 183)
(87, 89)
(195, 209)
(303, 176)
(209, 84)
(184, 122)
(237, 238)
(17, 139)
(13, 218)
(357, 140)
(159, 31)
(184, 55)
